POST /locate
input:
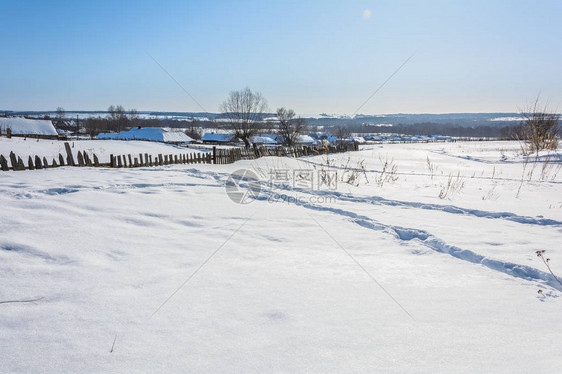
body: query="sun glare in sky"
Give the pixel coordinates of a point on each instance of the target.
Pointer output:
(366, 14)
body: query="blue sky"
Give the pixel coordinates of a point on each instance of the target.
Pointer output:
(313, 56)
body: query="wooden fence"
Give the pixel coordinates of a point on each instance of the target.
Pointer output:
(216, 156)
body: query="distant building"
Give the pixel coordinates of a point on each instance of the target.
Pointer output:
(328, 139)
(357, 139)
(212, 138)
(153, 134)
(267, 139)
(37, 128)
(305, 140)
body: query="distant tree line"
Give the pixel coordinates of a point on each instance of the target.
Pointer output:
(245, 114)
(431, 128)
(117, 119)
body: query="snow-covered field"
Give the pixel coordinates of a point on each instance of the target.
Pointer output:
(50, 149)
(157, 270)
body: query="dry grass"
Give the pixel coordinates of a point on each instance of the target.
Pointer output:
(453, 185)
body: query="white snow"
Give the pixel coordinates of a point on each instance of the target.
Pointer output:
(510, 119)
(383, 276)
(25, 126)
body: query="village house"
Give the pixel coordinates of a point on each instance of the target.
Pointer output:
(153, 134)
(25, 127)
(219, 139)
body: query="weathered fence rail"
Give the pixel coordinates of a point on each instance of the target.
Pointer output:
(214, 156)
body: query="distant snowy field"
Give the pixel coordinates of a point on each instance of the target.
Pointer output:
(385, 276)
(102, 148)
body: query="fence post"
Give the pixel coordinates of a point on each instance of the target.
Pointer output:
(14, 161)
(80, 159)
(69, 157)
(30, 163)
(45, 163)
(38, 164)
(3, 163)
(130, 160)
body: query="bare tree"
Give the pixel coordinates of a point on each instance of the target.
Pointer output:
(290, 128)
(244, 110)
(95, 125)
(341, 132)
(133, 117)
(117, 117)
(194, 129)
(539, 127)
(60, 113)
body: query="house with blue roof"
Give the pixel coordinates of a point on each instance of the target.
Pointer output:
(212, 138)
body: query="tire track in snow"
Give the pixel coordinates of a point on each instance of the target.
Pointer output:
(452, 209)
(378, 200)
(405, 234)
(556, 158)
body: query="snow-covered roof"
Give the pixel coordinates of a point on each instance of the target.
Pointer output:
(275, 137)
(225, 138)
(156, 134)
(263, 140)
(358, 139)
(26, 126)
(305, 139)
